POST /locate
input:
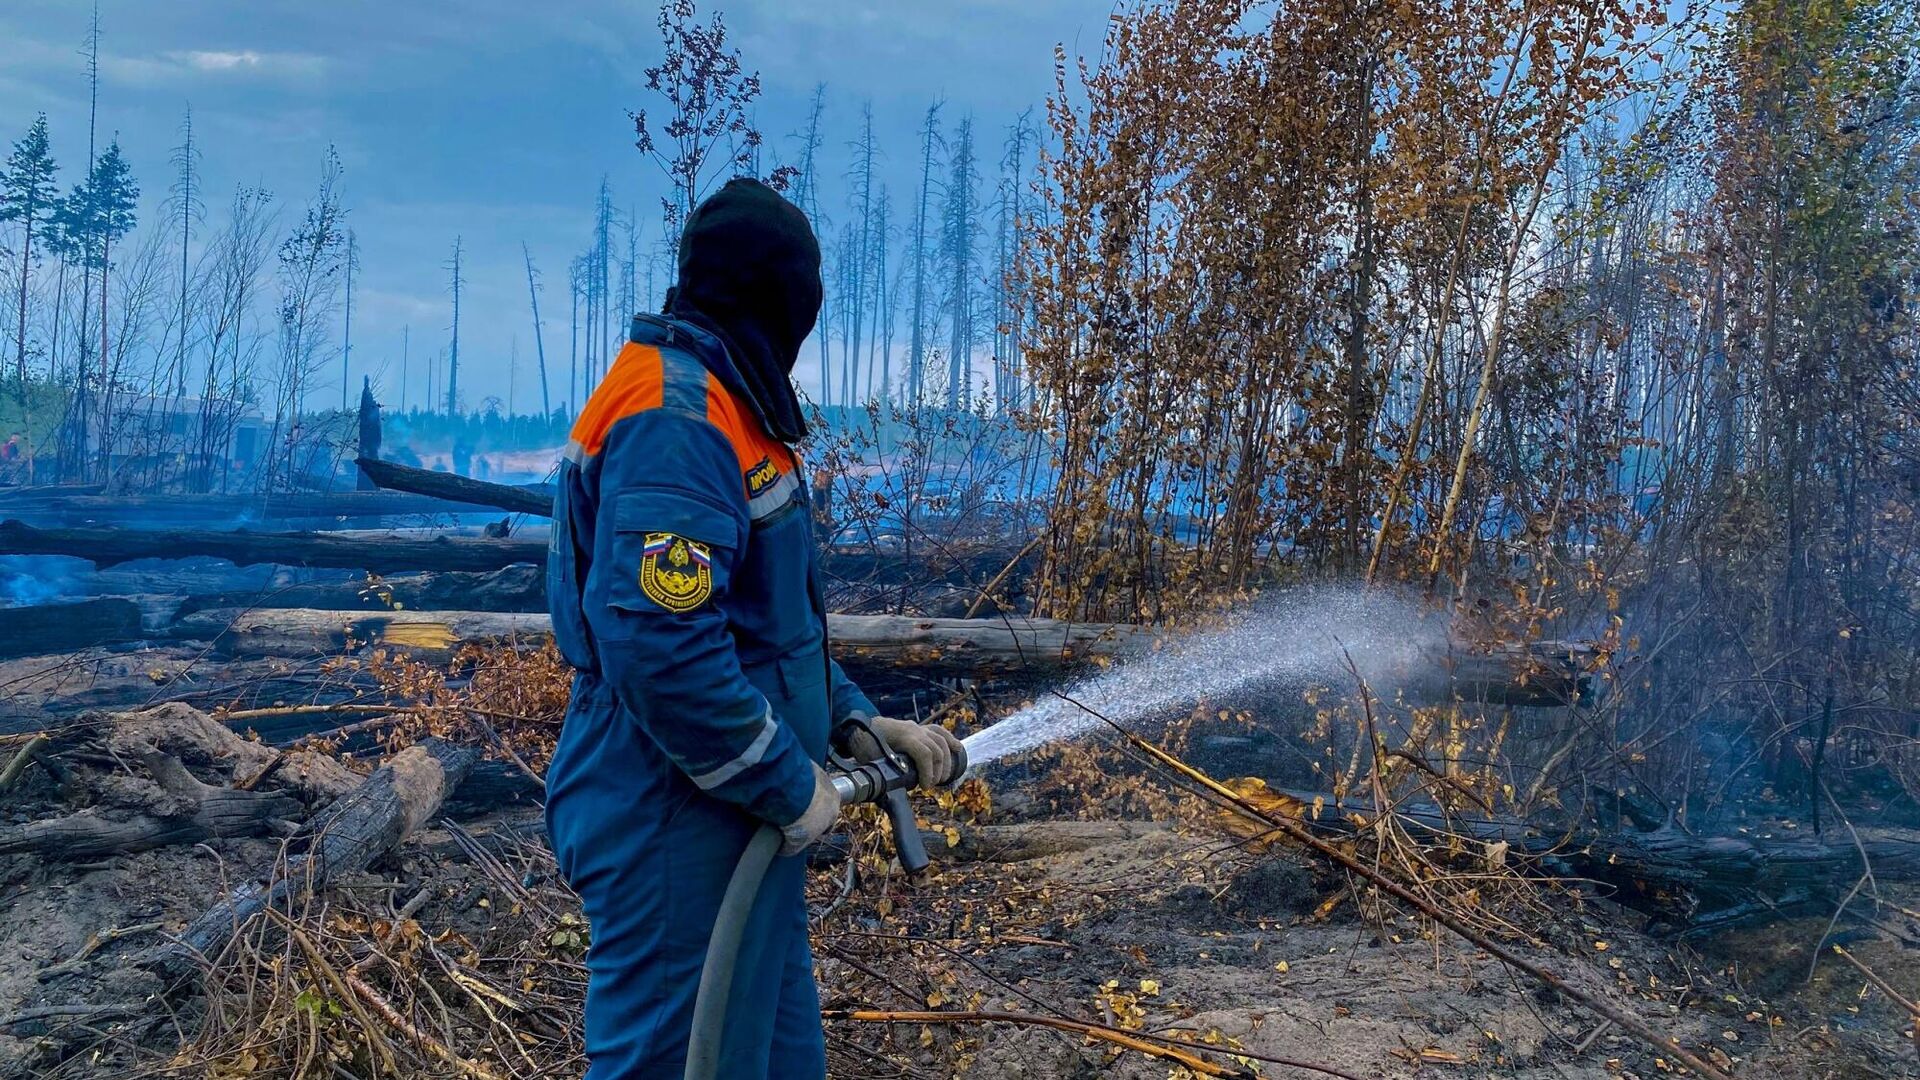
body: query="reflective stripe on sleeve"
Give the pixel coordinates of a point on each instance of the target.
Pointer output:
(774, 498)
(748, 758)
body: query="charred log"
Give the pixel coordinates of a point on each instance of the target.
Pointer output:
(976, 648)
(517, 588)
(40, 507)
(300, 633)
(105, 547)
(66, 627)
(1689, 884)
(344, 838)
(867, 645)
(201, 812)
(535, 499)
(163, 802)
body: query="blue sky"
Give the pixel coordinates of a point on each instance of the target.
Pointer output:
(494, 120)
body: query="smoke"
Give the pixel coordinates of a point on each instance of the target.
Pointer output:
(36, 579)
(1306, 636)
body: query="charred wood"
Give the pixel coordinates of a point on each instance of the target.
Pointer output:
(66, 627)
(1691, 884)
(535, 499)
(517, 588)
(207, 812)
(298, 633)
(870, 645)
(344, 838)
(976, 648)
(105, 547)
(163, 802)
(38, 506)
(491, 787)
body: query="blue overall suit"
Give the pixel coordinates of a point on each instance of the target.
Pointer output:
(683, 590)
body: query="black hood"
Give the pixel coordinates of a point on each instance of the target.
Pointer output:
(750, 273)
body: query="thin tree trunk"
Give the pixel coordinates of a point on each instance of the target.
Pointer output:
(539, 343)
(1494, 334)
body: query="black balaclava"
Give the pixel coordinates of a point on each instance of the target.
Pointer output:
(750, 273)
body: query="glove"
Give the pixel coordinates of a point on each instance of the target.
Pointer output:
(932, 748)
(822, 811)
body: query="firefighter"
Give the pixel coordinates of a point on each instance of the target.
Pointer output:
(683, 590)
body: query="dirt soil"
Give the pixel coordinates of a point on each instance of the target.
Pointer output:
(1245, 956)
(1166, 928)
(49, 912)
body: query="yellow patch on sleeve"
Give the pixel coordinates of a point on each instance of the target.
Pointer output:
(675, 572)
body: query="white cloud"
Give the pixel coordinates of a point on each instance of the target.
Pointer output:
(247, 60)
(217, 61)
(178, 64)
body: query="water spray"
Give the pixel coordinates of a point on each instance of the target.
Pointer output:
(1307, 635)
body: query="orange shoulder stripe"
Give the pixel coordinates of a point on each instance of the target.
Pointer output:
(635, 383)
(751, 444)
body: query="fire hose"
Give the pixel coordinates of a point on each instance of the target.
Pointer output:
(884, 780)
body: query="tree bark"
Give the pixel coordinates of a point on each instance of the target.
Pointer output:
(535, 499)
(40, 629)
(56, 506)
(106, 547)
(1545, 674)
(344, 838)
(512, 588)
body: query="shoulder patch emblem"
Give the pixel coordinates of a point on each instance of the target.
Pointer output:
(761, 477)
(675, 572)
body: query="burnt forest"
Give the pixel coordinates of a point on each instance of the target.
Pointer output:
(1412, 510)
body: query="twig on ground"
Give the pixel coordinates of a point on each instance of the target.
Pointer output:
(327, 972)
(1129, 1040)
(420, 1038)
(986, 591)
(21, 760)
(1881, 984)
(94, 941)
(1301, 835)
(68, 1012)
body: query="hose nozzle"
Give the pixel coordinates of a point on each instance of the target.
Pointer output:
(885, 780)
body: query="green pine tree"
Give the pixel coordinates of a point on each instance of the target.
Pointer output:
(92, 217)
(28, 196)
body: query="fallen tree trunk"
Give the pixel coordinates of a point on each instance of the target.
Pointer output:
(105, 547)
(1689, 881)
(298, 633)
(1534, 673)
(168, 804)
(66, 627)
(344, 838)
(520, 588)
(971, 647)
(864, 644)
(535, 499)
(206, 812)
(165, 511)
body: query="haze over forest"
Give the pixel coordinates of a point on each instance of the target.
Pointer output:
(1470, 451)
(494, 122)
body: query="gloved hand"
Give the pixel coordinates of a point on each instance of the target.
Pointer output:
(932, 748)
(822, 811)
